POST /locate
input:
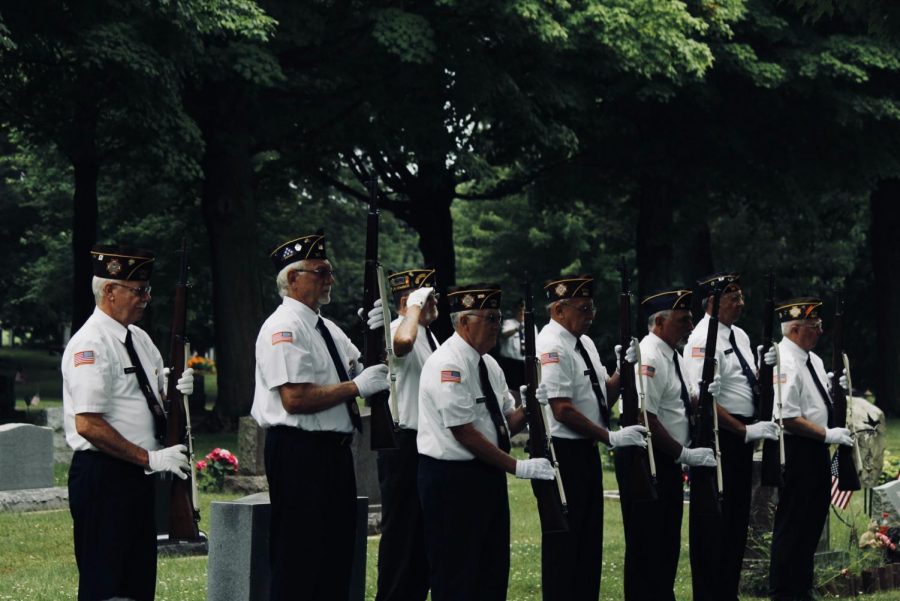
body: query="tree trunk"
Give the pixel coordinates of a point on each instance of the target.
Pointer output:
(84, 230)
(885, 205)
(230, 213)
(654, 238)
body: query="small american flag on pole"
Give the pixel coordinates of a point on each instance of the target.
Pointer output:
(839, 498)
(84, 358)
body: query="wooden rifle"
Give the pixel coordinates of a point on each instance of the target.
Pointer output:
(706, 430)
(772, 469)
(382, 423)
(640, 469)
(848, 476)
(551, 496)
(184, 512)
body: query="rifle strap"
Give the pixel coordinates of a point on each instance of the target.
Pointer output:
(595, 383)
(159, 416)
(748, 373)
(352, 407)
(490, 399)
(685, 397)
(821, 390)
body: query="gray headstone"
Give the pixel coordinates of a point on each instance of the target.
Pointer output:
(26, 457)
(62, 452)
(238, 567)
(251, 447)
(886, 500)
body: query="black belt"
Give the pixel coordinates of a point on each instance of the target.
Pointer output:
(318, 436)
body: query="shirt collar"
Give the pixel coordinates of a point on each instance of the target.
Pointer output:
(565, 335)
(704, 323)
(106, 322)
(793, 348)
(306, 315)
(662, 344)
(464, 348)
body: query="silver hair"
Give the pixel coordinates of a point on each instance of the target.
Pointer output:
(651, 321)
(787, 326)
(281, 280)
(98, 285)
(454, 317)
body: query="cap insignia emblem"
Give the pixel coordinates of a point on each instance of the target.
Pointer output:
(468, 300)
(113, 267)
(287, 253)
(795, 312)
(560, 289)
(298, 247)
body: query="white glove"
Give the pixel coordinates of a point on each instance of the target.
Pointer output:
(629, 436)
(769, 357)
(630, 354)
(838, 436)
(540, 393)
(842, 381)
(375, 318)
(702, 457)
(418, 297)
(535, 469)
(767, 430)
(372, 379)
(185, 383)
(715, 387)
(171, 459)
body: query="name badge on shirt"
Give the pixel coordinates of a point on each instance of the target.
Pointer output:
(480, 399)
(588, 372)
(130, 370)
(729, 351)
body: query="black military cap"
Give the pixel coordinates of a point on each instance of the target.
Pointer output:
(474, 297)
(403, 281)
(569, 286)
(804, 307)
(299, 249)
(723, 279)
(666, 300)
(115, 262)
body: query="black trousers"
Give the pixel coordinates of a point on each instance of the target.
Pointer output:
(652, 532)
(717, 540)
(466, 513)
(800, 517)
(312, 489)
(571, 562)
(402, 562)
(112, 507)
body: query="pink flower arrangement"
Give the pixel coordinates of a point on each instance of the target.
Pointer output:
(885, 541)
(212, 470)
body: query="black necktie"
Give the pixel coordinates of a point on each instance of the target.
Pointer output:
(159, 416)
(352, 407)
(748, 373)
(490, 399)
(430, 337)
(821, 388)
(685, 397)
(595, 382)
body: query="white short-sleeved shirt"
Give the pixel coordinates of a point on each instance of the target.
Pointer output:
(662, 388)
(94, 368)
(450, 395)
(736, 396)
(564, 375)
(289, 349)
(799, 395)
(408, 369)
(511, 346)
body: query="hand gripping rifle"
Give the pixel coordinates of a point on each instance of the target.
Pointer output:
(184, 512)
(772, 473)
(551, 496)
(640, 463)
(706, 432)
(848, 476)
(382, 423)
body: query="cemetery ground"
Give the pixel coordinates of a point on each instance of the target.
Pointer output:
(37, 561)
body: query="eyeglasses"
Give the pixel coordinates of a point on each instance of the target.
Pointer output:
(814, 325)
(586, 309)
(321, 273)
(492, 318)
(735, 297)
(139, 291)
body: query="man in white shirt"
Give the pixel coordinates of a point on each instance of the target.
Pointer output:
(113, 407)
(806, 411)
(307, 380)
(402, 561)
(717, 547)
(653, 528)
(466, 417)
(581, 394)
(512, 349)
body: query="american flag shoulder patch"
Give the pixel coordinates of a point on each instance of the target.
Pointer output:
(451, 375)
(84, 358)
(648, 370)
(279, 337)
(698, 352)
(775, 379)
(549, 358)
